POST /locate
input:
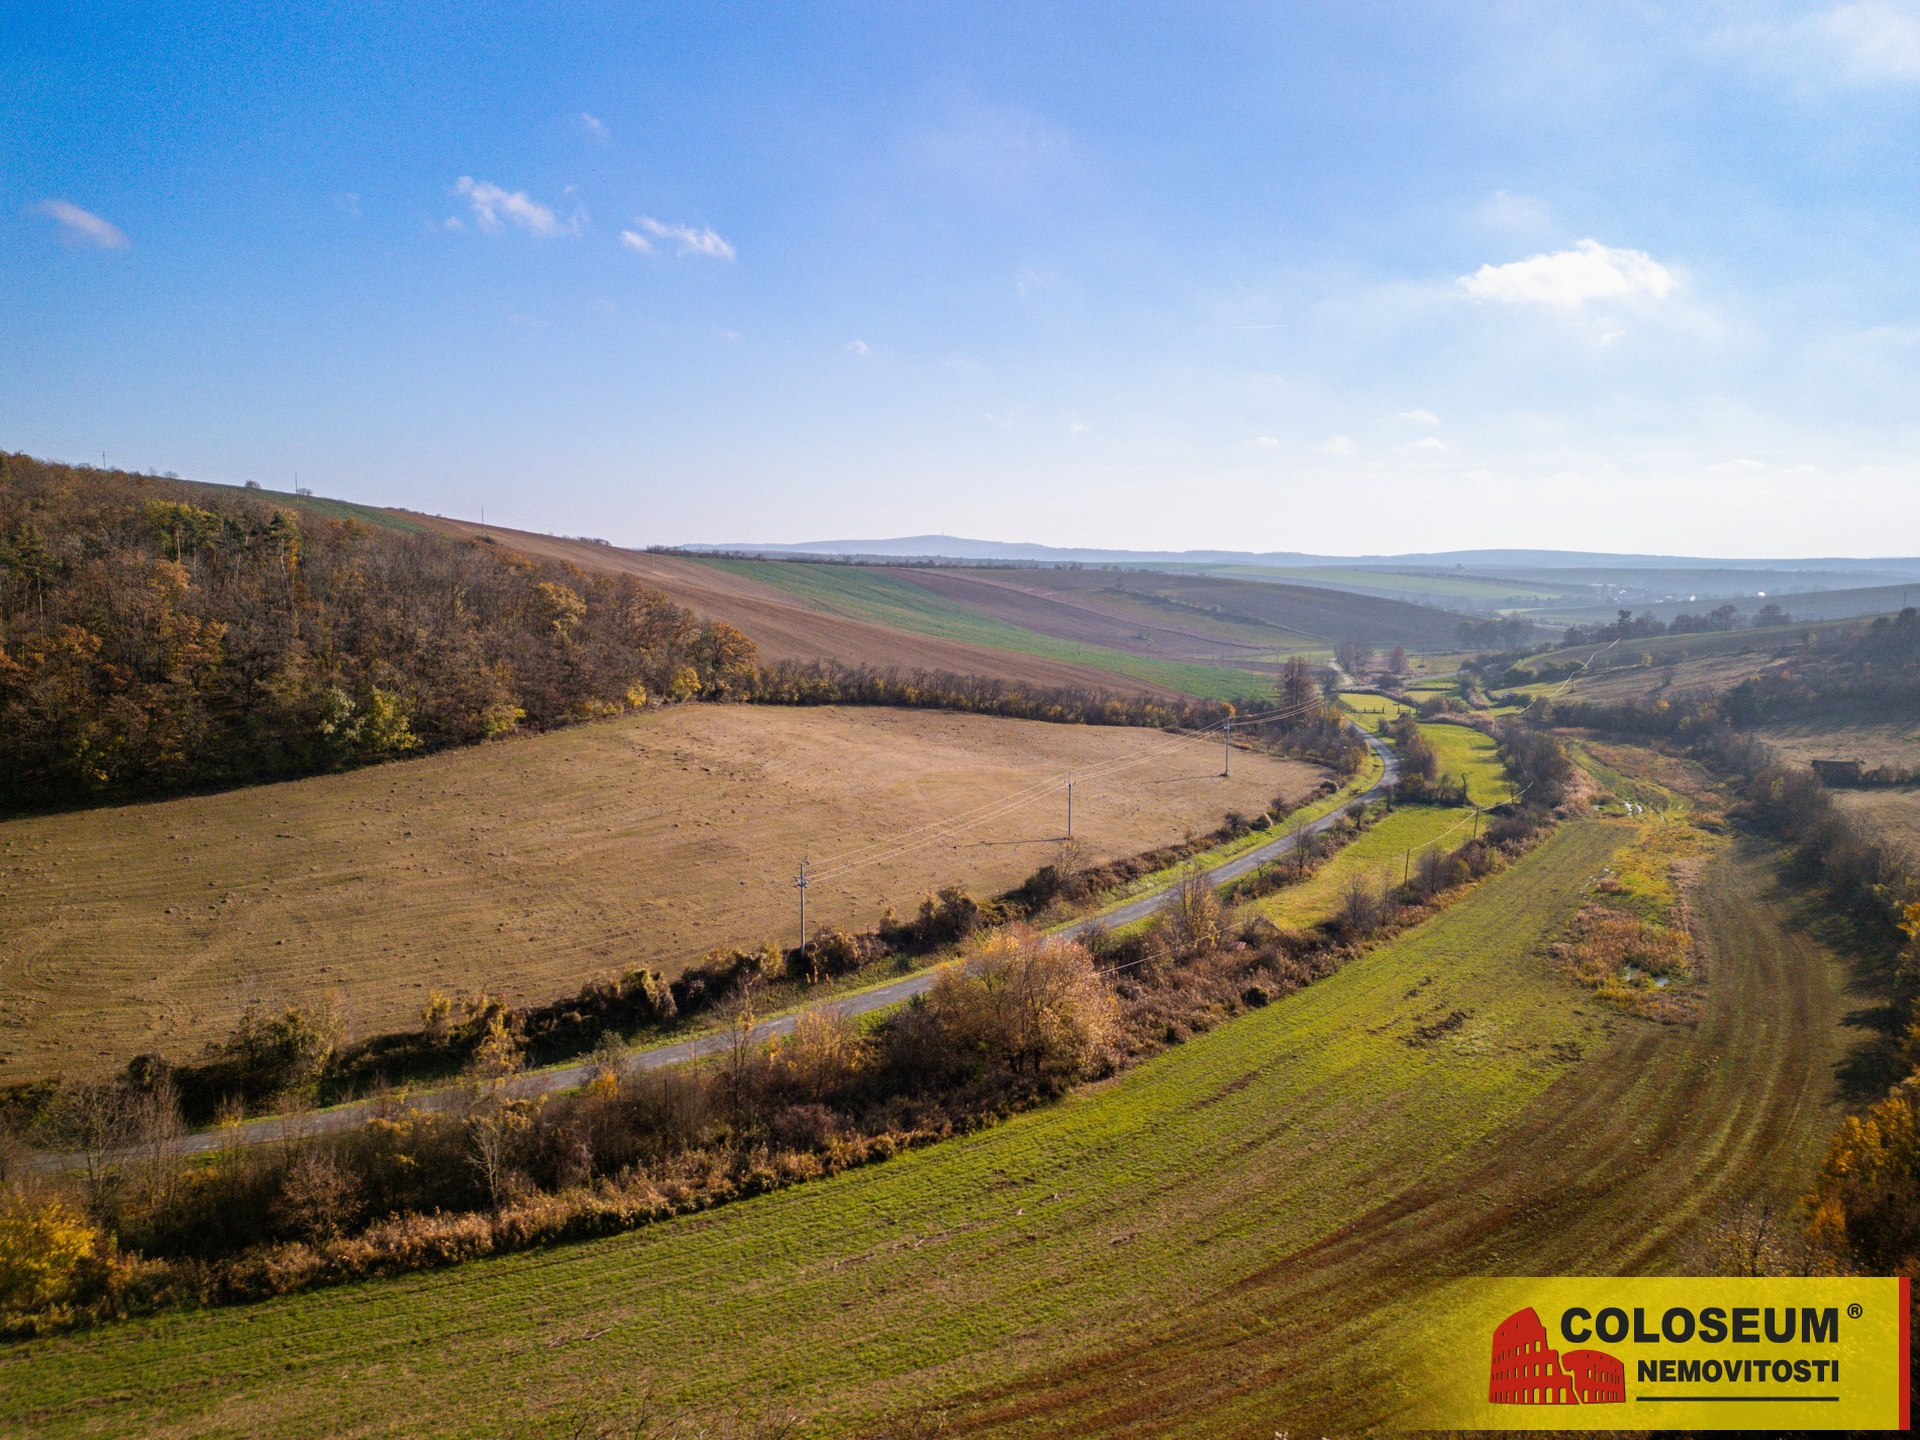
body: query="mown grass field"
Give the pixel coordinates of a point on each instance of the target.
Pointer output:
(1372, 708)
(871, 594)
(1385, 850)
(531, 865)
(992, 1277)
(1467, 752)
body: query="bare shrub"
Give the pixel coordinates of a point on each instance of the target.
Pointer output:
(1361, 910)
(1193, 920)
(318, 1200)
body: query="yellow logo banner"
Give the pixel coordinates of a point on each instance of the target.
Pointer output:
(1684, 1354)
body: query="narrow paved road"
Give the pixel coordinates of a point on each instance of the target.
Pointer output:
(546, 1082)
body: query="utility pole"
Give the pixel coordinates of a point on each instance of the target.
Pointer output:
(1069, 805)
(1226, 751)
(1476, 824)
(801, 886)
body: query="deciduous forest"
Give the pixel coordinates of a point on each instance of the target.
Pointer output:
(157, 636)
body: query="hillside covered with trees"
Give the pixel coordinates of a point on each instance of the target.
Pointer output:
(158, 636)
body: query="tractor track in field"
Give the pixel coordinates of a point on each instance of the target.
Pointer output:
(1610, 1171)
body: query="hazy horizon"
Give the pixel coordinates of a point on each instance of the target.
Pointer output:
(1368, 280)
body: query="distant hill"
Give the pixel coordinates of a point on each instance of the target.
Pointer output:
(1517, 564)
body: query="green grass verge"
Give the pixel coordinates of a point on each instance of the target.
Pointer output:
(1020, 1247)
(1383, 849)
(1468, 752)
(868, 593)
(1372, 706)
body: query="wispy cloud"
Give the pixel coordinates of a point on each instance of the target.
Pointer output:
(594, 126)
(1867, 42)
(1418, 417)
(1505, 210)
(1570, 278)
(82, 227)
(495, 208)
(1336, 445)
(859, 347)
(690, 241)
(348, 204)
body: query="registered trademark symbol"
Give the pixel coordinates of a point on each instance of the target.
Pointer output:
(1853, 1312)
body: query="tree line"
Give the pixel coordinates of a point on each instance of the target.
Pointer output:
(1719, 620)
(157, 636)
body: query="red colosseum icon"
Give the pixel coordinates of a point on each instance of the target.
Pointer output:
(1526, 1372)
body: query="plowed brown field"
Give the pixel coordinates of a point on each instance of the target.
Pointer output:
(530, 865)
(784, 629)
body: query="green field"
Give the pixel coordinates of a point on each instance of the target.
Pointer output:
(1392, 584)
(1372, 706)
(921, 1280)
(1386, 849)
(868, 593)
(1468, 752)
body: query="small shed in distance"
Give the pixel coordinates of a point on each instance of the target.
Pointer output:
(1839, 772)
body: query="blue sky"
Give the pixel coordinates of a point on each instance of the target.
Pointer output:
(1337, 277)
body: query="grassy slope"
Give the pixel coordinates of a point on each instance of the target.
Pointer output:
(867, 594)
(529, 866)
(1382, 849)
(1075, 1226)
(1470, 588)
(1467, 752)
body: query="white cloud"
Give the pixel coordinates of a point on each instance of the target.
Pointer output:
(1419, 417)
(1078, 427)
(82, 227)
(1866, 42)
(1266, 442)
(692, 241)
(859, 347)
(1431, 444)
(1336, 445)
(635, 241)
(493, 205)
(1570, 278)
(594, 127)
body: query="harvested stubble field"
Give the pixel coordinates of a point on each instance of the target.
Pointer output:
(1707, 674)
(1894, 811)
(530, 865)
(1203, 1247)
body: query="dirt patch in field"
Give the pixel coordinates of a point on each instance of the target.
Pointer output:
(530, 865)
